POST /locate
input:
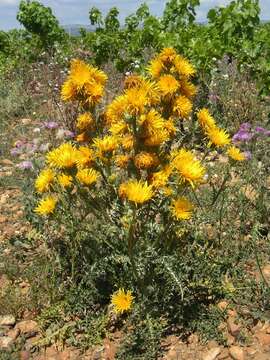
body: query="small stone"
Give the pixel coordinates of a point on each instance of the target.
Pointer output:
(13, 333)
(236, 353)
(5, 342)
(212, 344)
(26, 121)
(230, 340)
(264, 339)
(28, 327)
(232, 313)
(25, 355)
(266, 273)
(262, 356)
(212, 354)
(7, 320)
(3, 219)
(224, 355)
(7, 162)
(193, 339)
(233, 328)
(222, 305)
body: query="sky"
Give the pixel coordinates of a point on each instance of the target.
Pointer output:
(76, 11)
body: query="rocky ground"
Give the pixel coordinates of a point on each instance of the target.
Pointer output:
(21, 338)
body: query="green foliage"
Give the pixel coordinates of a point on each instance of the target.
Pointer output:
(39, 20)
(4, 41)
(179, 13)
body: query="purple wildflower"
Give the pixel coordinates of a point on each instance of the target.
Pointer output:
(50, 125)
(247, 154)
(260, 130)
(25, 165)
(245, 126)
(69, 134)
(242, 136)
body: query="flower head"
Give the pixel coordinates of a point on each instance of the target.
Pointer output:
(136, 191)
(236, 154)
(218, 137)
(84, 121)
(64, 180)
(46, 206)
(44, 180)
(122, 301)
(181, 208)
(65, 156)
(190, 169)
(145, 160)
(168, 85)
(205, 119)
(182, 107)
(183, 66)
(87, 176)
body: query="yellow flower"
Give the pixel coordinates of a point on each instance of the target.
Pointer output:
(84, 121)
(168, 85)
(122, 160)
(183, 66)
(136, 191)
(118, 128)
(85, 156)
(181, 208)
(155, 68)
(116, 110)
(151, 122)
(136, 101)
(145, 160)
(170, 127)
(205, 119)
(182, 106)
(79, 73)
(189, 168)
(218, 137)
(167, 56)
(187, 88)
(87, 176)
(106, 145)
(151, 90)
(93, 93)
(127, 142)
(132, 81)
(44, 180)
(160, 178)
(64, 156)
(64, 180)
(235, 154)
(97, 75)
(46, 206)
(122, 301)
(158, 138)
(68, 91)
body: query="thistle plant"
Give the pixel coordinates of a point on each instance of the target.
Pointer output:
(138, 163)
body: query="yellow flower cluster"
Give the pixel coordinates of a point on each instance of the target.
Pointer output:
(134, 144)
(217, 136)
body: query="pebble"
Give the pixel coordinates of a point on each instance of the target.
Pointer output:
(236, 353)
(264, 339)
(212, 354)
(233, 328)
(7, 320)
(5, 342)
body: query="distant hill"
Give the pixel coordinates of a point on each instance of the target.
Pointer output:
(74, 29)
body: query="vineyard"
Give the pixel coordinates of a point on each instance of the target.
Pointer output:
(135, 182)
